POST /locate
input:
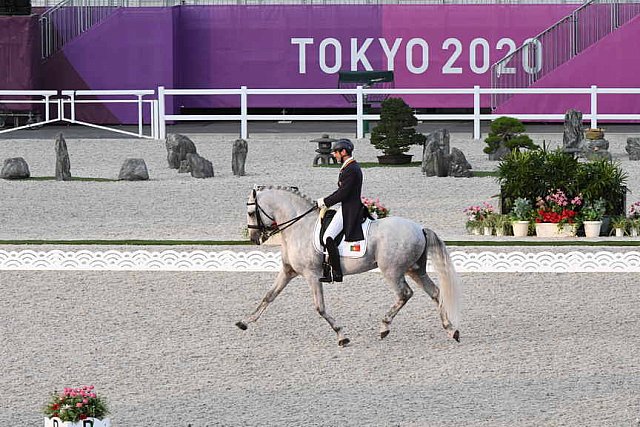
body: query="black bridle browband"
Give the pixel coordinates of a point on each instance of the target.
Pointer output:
(274, 228)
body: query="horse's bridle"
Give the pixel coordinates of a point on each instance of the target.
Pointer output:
(267, 231)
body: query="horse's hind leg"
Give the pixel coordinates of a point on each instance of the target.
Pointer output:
(284, 277)
(425, 282)
(403, 293)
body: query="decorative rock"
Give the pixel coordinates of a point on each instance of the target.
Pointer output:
(595, 149)
(63, 164)
(459, 167)
(185, 167)
(633, 148)
(15, 168)
(435, 153)
(178, 146)
(573, 134)
(239, 156)
(133, 170)
(500, 153)
(200, 167)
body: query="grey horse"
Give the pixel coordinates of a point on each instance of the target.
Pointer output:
(397, 246)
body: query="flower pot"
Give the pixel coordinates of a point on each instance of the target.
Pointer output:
(488, 231)
(500, 231)
(634, 232)
(395, 159)
(551, 229)
(594, 133)
(89, 422)
(619, 232)
(520, 228)
(592, 228)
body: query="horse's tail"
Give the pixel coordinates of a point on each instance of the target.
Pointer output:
(449, 284)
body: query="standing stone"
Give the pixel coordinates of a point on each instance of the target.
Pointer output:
(185, 167)
(573, 135)
(459, 166)
(133, 170)
(15, 168)
(63, 165)
(435, 153)
(633, 148)
(200, 167)
(178, 146)
(239, 156)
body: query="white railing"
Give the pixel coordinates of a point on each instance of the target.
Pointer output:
(71, 100)
(360, 117)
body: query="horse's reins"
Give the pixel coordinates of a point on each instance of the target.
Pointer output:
(274, 228)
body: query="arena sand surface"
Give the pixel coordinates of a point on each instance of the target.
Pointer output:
(536, 349)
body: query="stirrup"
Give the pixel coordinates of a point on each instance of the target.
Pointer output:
(327, 273)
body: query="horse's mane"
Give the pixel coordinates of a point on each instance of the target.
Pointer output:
(290, 189)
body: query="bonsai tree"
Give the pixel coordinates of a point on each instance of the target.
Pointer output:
(506, 135)
(396, 131)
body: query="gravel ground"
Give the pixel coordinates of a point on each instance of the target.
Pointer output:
(536, 349)
(176, 206)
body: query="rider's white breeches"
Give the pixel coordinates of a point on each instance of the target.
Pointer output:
(335, 226)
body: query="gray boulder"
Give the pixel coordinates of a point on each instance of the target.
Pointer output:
(15, 168)
(595, 149)
(459, 167)
(573, 134)
(435, 153)
(633, 148)
(63, 164)
(200, 167)
(133, 170)
(239, 156)
(178, 147)
(185, 167)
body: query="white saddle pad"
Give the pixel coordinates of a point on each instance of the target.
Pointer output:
(346, 249)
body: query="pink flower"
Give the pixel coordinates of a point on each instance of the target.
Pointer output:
(85, 401)
(92, 395)
(79, 405)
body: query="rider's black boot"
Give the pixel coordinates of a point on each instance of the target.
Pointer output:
(326, 271)
(334, 260)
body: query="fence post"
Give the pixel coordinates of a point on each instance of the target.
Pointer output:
(594, 107)
(359, 113)
(140, 115)
(476, 112)
(244, 128)
(162, 123)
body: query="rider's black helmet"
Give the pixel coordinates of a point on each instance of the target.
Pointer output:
(341, 144)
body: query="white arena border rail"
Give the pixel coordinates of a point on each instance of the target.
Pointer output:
(361, 94)
(259, 261)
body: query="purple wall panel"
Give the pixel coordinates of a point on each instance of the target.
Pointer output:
(609, 63)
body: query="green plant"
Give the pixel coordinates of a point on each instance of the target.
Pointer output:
(620, 221)
(508, 132)
(396, 132)
(593, 210)
(501, 222)
(75, 404)
(531, 174)
(522, 210)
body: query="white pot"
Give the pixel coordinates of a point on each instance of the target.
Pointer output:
(634, 232)
(488, 231)
(592, 228)
(619, 232)
(550, 229)
(520, 228)
(89, 422)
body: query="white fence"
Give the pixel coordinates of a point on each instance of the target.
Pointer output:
(67, 102)
(360, 117)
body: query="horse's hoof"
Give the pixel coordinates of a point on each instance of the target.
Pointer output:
(343, 342)
(383, 334)
(241, 325)
(456, 335)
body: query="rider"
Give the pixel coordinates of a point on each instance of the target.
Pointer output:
(350, 208)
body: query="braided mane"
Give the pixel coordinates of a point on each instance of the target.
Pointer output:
(289, 189)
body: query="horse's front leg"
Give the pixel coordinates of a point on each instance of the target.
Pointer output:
(284, 277)
(318, 300)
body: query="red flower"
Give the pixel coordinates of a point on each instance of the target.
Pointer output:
(83, 416)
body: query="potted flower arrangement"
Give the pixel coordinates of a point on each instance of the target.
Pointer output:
(376, 209)
(634, 218)
(591, 216)
(556, 214)
(520, 215)
(620, 223)
(500, 223)
(476, 217)
(75, 407)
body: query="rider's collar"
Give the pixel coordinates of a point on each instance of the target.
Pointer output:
(345, 164)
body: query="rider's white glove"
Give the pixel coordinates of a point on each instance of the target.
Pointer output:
(320, 203)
